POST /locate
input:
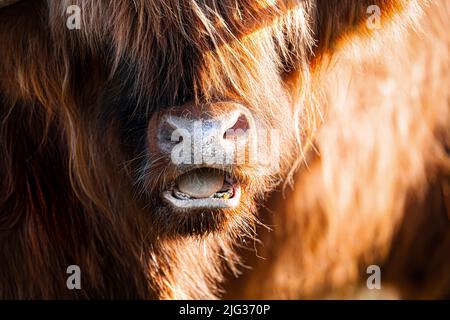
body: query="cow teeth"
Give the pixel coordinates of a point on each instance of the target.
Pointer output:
(224, 195)
(181, 195)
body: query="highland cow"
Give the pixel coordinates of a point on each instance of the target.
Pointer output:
(133, 146)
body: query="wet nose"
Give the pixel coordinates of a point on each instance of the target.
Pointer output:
(211, 135)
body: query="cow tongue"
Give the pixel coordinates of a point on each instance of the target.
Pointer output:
(201, 183)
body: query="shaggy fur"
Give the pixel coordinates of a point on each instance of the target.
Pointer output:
(377, 192)
(79, 185)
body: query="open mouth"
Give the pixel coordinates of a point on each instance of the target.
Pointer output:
(204, 188)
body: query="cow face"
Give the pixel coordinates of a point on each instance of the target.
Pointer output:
(200, 107)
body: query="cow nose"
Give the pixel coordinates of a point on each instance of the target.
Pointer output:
(213, 135)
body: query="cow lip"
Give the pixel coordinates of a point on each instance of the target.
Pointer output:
(227, 197)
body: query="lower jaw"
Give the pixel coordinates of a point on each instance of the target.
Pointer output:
(203, 203)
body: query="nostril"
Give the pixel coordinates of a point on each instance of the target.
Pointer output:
(169, 135)
(241, 125)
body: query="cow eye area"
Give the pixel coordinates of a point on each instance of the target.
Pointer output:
(203, 188)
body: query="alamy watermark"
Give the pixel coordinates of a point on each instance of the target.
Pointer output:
(374, 280)
(73, 21)
(374, 19)
(234, 147)
(74, 280)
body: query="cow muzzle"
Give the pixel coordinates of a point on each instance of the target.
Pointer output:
(205, 144)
